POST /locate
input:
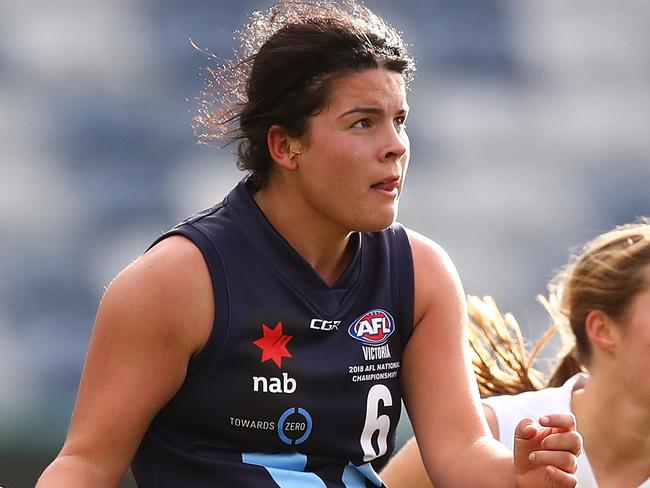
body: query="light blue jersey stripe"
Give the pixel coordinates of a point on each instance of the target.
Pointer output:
(356, 476)
(295, 479)
(370, 474)
(352, 478)
(293, 461)
(287, 470)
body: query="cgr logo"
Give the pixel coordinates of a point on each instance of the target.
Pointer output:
(373, 328)
(320, 324)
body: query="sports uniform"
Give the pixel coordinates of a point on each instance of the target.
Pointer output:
(297, 385)
(509, 410)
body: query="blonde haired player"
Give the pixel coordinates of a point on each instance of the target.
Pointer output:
(600, 303)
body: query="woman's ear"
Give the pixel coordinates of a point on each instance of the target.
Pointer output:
(283, 148)
(602, 331)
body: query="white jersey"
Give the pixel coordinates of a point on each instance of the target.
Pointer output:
(509, 410)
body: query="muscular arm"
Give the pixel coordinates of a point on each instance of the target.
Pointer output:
(405, 469)
(156, 314)
(454, 440)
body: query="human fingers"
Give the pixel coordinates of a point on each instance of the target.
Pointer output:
(563, 441)
(562, 421)
(562, 460)
(525, 429)
(560, 479)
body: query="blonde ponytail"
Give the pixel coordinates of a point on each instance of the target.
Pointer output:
(503, 365)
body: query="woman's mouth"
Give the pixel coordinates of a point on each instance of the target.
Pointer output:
(389, 186)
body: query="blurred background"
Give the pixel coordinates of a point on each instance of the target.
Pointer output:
(529, 126)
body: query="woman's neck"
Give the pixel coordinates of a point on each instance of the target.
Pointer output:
(616, 432)
(324, 246)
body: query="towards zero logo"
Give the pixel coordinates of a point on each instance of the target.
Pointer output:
(373, 327)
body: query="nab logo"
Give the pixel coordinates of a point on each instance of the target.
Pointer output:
(373, 328)
(273, 344)
(286, 384)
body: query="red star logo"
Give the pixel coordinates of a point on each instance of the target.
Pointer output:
(273, 344)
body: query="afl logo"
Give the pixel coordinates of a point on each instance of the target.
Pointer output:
(373, 328)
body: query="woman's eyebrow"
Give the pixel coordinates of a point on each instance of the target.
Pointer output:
(368, 110)
(362, 110)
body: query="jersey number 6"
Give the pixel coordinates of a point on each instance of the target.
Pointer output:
(376, 423)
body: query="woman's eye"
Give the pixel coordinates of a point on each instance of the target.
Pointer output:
(362, 124)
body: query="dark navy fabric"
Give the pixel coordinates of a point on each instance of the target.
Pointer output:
(297, 385)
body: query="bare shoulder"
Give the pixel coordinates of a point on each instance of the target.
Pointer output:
(436, 279)
(429, 255)
(174, 255)
(167, 288)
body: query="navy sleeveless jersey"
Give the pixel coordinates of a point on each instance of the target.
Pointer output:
(298, 383)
